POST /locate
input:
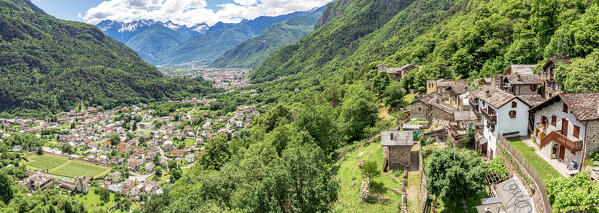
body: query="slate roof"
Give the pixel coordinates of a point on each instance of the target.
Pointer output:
(495, 96)
(519, 69)
(444, 83)
(556, 59)
(397, 138)
(585, 106)
(532, 100)
(459, 88)
(523, 79)
(434, 100)
(464, 116)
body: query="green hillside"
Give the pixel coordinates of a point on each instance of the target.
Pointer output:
(253, 52)
(449, 39)
(49, 65)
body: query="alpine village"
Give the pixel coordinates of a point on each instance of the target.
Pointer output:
(485, 106)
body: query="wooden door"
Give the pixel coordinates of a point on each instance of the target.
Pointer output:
(562, 152)
(484, 149)
(565, 127)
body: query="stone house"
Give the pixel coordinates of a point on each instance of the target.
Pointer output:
(397, 146)
(520, 84)
(567, 127)
(430, 107)
(396, 73)
(549, 86)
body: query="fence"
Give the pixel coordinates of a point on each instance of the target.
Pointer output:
(423, 191)
(530, 170)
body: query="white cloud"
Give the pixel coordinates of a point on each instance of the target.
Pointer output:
(190, 12)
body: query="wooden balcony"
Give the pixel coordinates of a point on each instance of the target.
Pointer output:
(490, 115)
(558, 137)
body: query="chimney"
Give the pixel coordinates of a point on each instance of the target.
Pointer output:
(519, 77)
(488, 93)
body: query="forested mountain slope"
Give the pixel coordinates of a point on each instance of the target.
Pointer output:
(49, 65)
(253, 52)
(449, 39)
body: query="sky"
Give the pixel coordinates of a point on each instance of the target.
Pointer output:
(184, 12)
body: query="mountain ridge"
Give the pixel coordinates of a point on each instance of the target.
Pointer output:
(50, 65)
(254, 51)
(186, 45)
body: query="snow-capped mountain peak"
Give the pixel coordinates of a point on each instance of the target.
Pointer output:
(200, 28)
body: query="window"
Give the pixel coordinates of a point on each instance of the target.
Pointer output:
(514, 104)
(513, 114)
(553, 120)
(533, 87)
(576, 133)
(543, 120)
(565, 108)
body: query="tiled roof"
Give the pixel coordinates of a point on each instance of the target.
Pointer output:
(532, 100)
(397, 138)
(523, 79)
(585, 106)
(493, 95)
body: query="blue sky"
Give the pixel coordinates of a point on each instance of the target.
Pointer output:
(66, 9)
(186, 12)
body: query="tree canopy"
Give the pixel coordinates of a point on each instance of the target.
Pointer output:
(453, 173)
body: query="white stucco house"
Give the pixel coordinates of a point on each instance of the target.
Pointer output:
(501, 113)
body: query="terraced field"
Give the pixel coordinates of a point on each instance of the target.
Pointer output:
(65, 167)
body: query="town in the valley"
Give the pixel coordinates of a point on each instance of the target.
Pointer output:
(129, 151)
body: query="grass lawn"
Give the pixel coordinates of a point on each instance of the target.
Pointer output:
(92, 201)
(45, 162)
(76, 168)
(545, 171)
(350, 179)
(65, 167)
(471, 202)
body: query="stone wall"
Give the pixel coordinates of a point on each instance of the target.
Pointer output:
(592, 138)
(418, 110)
(437, 114)
(399, 156)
